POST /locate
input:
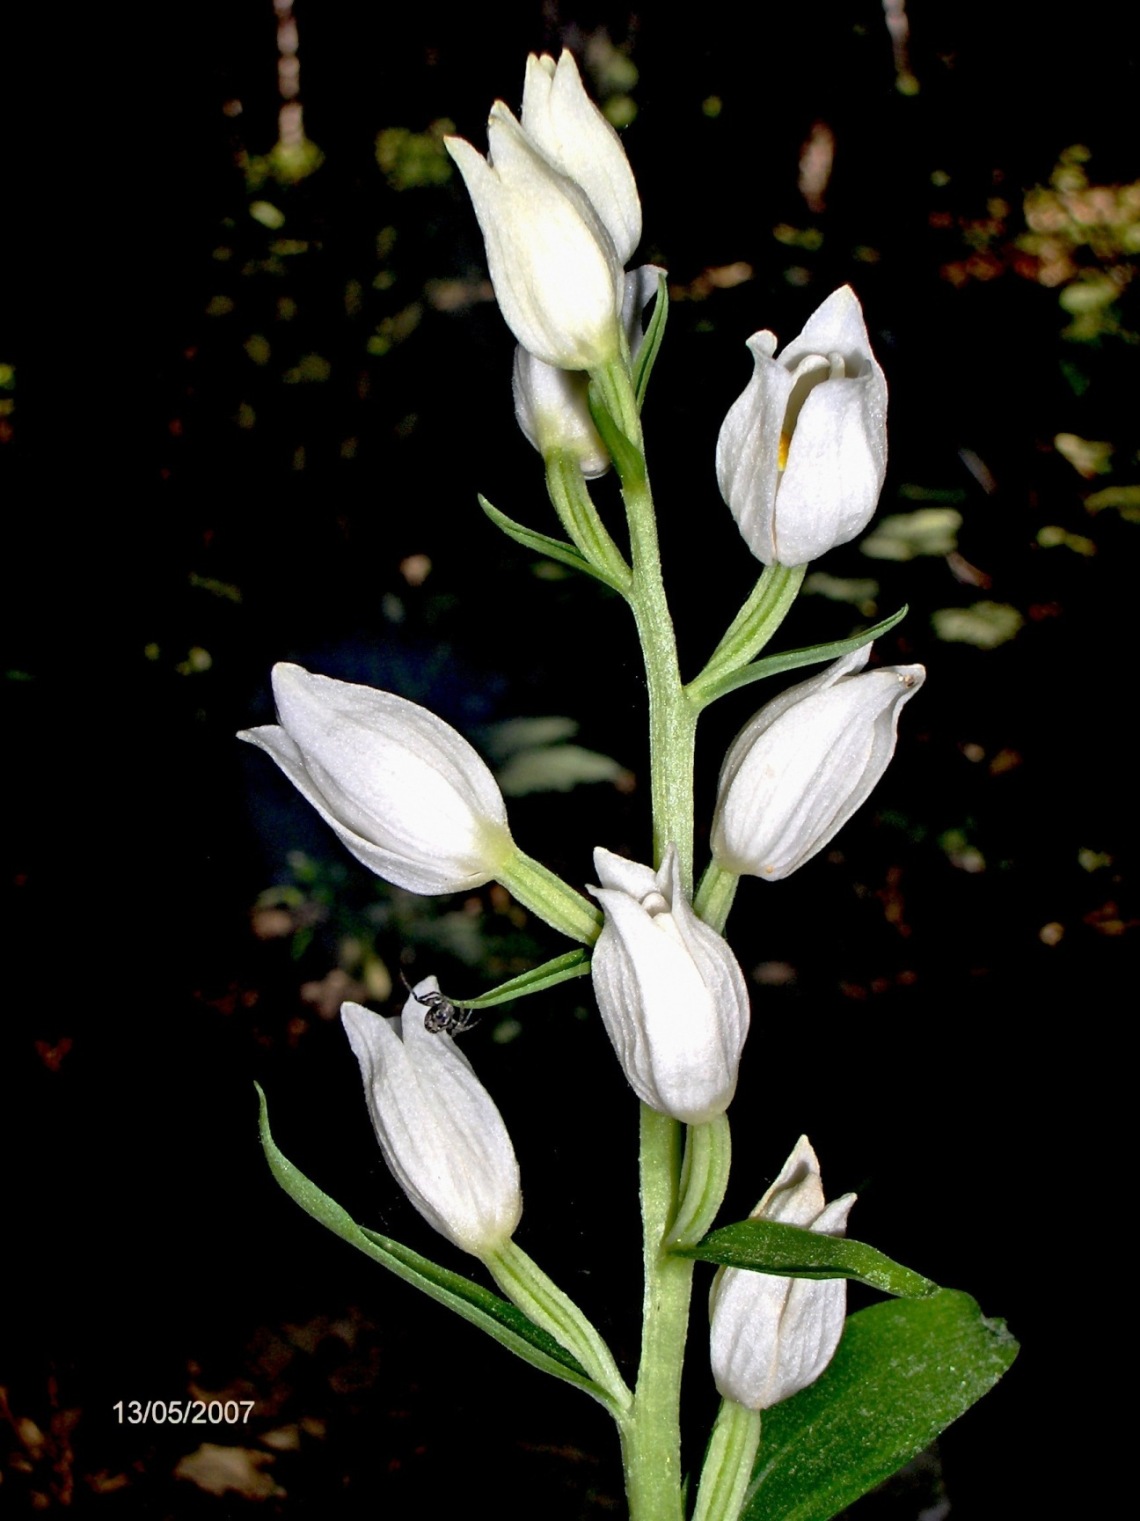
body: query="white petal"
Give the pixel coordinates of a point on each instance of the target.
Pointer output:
(568, 128)
(749, 447)
(624, 875)
(641, 285)
(796, 1196)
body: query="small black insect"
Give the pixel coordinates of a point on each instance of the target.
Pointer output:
(442, 1017)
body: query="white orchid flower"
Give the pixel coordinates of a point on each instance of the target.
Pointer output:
(772, 1336)
(441, 1134)
(670, 991)
(802, 453)
(407, 795)
(801, 767)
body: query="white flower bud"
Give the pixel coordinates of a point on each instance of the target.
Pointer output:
(553, 411)
(438, 1127)
(552, 406)
(557, 275)
(565, 125)
(803, 452)
(800, 768)
(771, 1336)
(406, 794)
(670, 991)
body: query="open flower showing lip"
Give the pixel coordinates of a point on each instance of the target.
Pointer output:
(671, 992)
(441, 1134)
(406, 794)
(802, 453)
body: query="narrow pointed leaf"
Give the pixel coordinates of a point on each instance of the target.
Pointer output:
(768, 1246)
(791, 660)
(651, 343)
(561, 969)
(902, 1373)
(628, 460)
(500, 1319)
(543, 544)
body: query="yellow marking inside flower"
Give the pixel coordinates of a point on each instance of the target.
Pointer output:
(785, 445)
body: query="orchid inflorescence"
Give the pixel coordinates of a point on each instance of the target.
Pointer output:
(800, 462)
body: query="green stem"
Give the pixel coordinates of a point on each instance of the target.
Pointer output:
(727, 1472)
(539, 1297)
(672, 717)
(751, 629)
(651, 1441)
(704, 1178)
(714, 896)
(538, 888)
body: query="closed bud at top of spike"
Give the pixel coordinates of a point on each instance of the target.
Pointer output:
(557, 275)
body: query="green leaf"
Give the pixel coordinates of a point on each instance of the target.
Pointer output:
(791, 660)
(628, 460)
(768, 1246)
(561, 969)
(509, 1327)
(903, 1372)
(541, 543)
(651, 343)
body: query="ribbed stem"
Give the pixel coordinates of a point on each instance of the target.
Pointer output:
(527, 1286)
(538, 888)
(727, 1473)
(651, 1443)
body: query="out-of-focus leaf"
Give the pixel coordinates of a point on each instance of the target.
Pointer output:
(906, 535)
(1126, 500)
(1088, 456)
(985, 625)
(557, 768)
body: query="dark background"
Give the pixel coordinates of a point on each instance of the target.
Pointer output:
(225, 442)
